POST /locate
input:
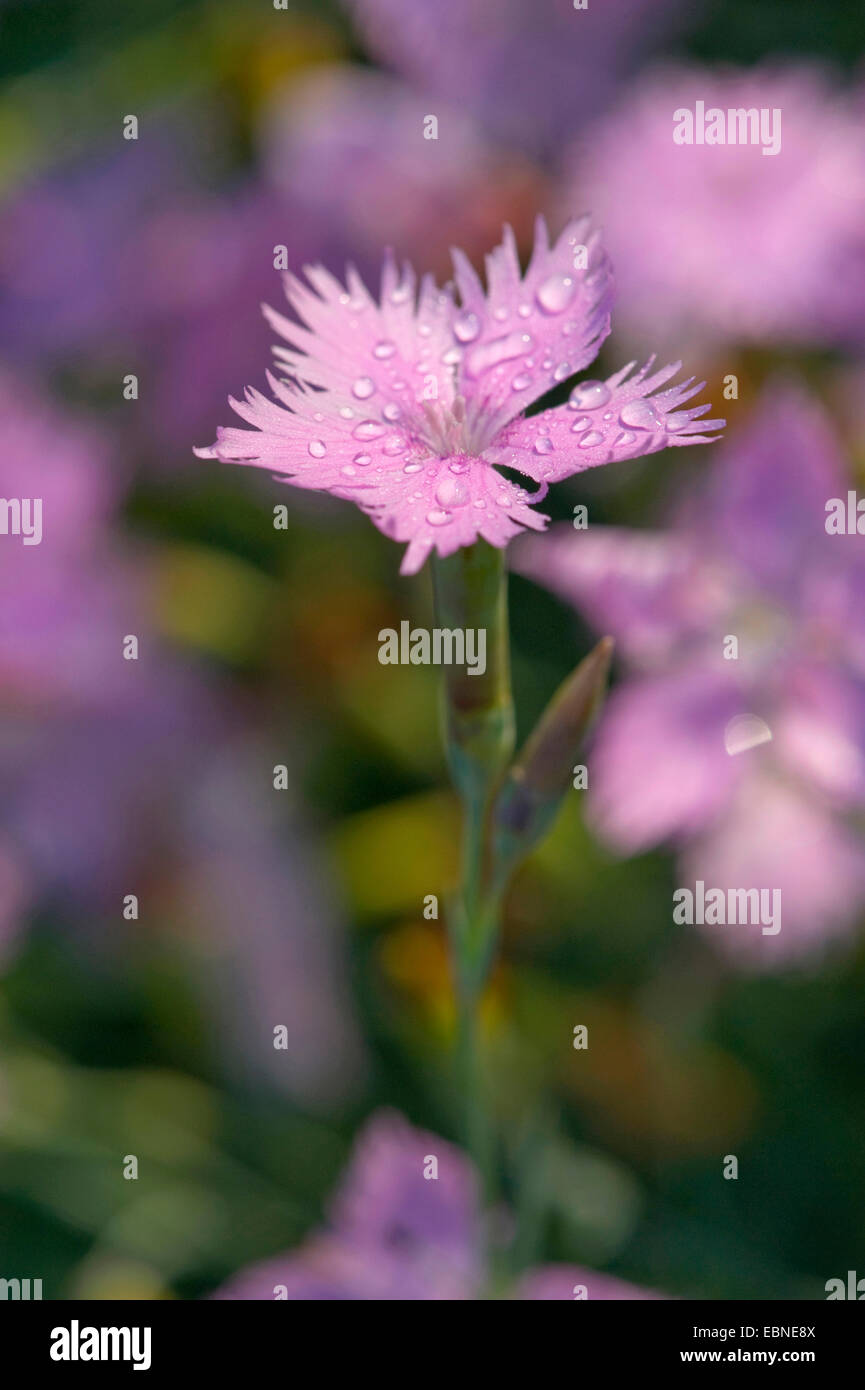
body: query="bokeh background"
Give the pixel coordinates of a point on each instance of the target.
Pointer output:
(302, 907)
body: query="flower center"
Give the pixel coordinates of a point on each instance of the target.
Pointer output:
(448, 430)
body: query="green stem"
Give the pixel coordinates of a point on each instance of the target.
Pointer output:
(470, 592)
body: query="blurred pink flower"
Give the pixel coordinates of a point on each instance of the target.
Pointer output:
(346, 146)
(723, 243)
(405, 407)
(530, 74)
(754, 768)
(396, 1234)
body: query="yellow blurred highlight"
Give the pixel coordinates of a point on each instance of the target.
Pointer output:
(393, 856)
(212, 601)
(107, 1276)
(686, 1097)
(170, 1117)
(415, 958)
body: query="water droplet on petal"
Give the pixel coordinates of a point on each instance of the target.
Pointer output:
(394, 445)
(675, 423)
(521, 381)
(640, 415)
(424, 330)
(562, 370)
(363, 388)
(480, 503)
(391, 412)
(556, 293)
(458, 467)
(746, 731)
(438, 518)
(589, 395)
(544, 445)
(626, 437)
(581, 423)
(452, 357)
(503, 500)
(362, 460)
(348, 470)
(467, 328)
(488, 355)
(524, 310)
(500, 314)
(401, 294)
(347, 413)
(317, 448)
(589, 441)
(368, 429)
(384, 349)
(451, 493)
(413, 468)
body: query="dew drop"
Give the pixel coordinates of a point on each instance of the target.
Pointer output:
(317, 448)
(362, 460)
(503, 500)
(467, 328)
(363, 388)
(451, 493)
(458, 467)
(413, 468)
(556, 293)
(589, 440)
(524, 310)
(675, 423)
(347, 413)
(368, 429)
(480, 503)
(640, 415)
(500, 315)
(562, 370)
(391, 412)
(348, 470)
(488, 355)
(384, 349)
(544, 445)
(626, 437)
(438, 518)
(394, 445)
(581, 423)
(452, 357)
(589, 395)
(401, 294)
(521, 381)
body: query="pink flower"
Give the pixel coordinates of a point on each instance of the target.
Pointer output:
(405, 406)
(754, 768)
(405, 1225)
(719, 243)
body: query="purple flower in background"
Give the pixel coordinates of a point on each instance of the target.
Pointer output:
(530, 74)
(406, 406)
(405, 1225)
(723, 241)
(754, 768)
(67, 253)
(347, 146)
